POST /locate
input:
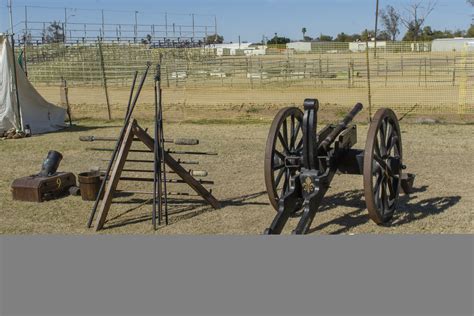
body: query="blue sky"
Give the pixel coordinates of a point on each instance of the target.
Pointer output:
(248, 18)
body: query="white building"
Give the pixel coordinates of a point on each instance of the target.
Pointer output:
(452, 44)
(299, 46)
(233, 49)
(362, 46)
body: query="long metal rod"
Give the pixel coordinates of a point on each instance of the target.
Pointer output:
(156, 167)
(151, 193)
(176, 152)
(162, 137)
(194, 173)
(177, 141)
(117, 146)
(135, 75)
(177, 181)
(182, 162)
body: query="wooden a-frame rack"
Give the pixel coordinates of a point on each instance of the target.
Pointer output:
(133, 130)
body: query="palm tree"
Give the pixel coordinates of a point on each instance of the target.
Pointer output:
(304, 30)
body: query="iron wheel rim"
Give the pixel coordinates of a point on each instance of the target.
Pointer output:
(382, 166)
(287, 125)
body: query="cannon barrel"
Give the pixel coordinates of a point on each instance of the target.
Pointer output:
(51, 163)
(340, 127)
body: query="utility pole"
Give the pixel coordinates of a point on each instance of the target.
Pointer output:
(376, 25)
(215, 24)
(166, 24)
(136, 26)
(11, 15)
(65, 25)
(103, 24)
(26, 22)
(192, 15)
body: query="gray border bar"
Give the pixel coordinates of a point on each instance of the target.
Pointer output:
(317, 275)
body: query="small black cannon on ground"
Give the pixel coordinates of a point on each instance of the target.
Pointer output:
(300, 163)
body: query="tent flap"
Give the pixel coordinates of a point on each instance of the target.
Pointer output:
(39, 114)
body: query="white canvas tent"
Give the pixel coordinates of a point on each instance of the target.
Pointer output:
(35, 111)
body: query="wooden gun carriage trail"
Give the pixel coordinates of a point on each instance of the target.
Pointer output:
(300, 164)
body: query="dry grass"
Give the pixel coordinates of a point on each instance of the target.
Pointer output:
(440, 155)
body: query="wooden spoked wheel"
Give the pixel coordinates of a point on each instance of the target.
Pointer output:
(283, 152)
(382, 166)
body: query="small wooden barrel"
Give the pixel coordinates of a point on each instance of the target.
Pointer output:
(89, 182)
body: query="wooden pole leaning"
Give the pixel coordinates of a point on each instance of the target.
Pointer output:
(130, 107)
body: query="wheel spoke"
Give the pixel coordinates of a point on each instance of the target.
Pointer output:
(284, 143)
(300, 145)
(278, 178)
(279, 154)
(285, 132)
(390, 131)
(377, 147)
(384, 195)
(292, 137)
(391, 189)
(377, 169)
(377, 188)
(382, 129)
(391, 143)
(384, 165)
(278, 167)
(297, 131)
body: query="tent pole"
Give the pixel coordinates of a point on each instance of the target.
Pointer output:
(16, 83)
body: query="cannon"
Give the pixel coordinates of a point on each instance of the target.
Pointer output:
(301, 163)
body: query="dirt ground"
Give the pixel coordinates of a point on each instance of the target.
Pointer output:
(440, 155)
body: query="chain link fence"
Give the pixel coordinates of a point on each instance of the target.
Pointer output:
(403, 76)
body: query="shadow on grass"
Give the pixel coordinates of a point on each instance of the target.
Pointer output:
(179, 209)
(406, 212)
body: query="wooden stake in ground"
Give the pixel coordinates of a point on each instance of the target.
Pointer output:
(64, 96)
(104, 77)
(368, 77)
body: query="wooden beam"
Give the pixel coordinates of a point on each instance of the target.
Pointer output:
(115, 176)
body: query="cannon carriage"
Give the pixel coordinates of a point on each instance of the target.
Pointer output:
(301, 163)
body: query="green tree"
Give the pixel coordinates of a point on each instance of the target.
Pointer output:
(214, 39)
(278, 40)
(470, 31)
(324, 38)
(343, 37)
(54, 33)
